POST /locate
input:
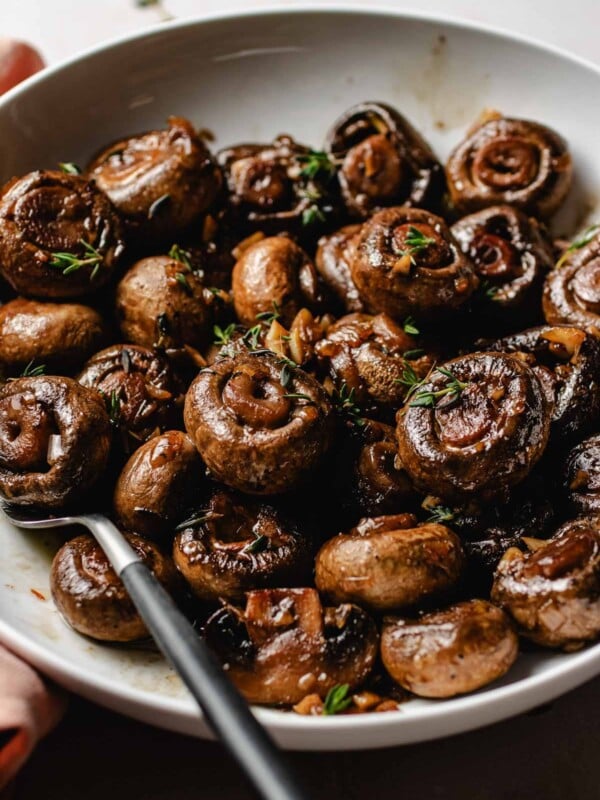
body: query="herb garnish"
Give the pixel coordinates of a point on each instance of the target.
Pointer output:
(410, 326)
(181, 278)
(413, 355)
(287, 368)
(440, 514)
(69, 168)
(177, 253)
(269, 317)
(429, 398)
(316, 162)
(252, 337)
(223, 335)
(33, 372)
(585, 238)
(68, 262)
(312, 215)
(113, 406)
(299, 396)
(158, 205)
(260, 543)
(415, 241)
(337, 700)
(489, 290)
(196, 519)
(344, 400)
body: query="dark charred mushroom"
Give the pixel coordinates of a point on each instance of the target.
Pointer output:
(90, 595)
(384, 161)
(161, 181)
(581, 477)
(54, 441)
(332, 260)
(58, 336)
(260, 423)
(567, 362)
(389, 563)
(235, 544)
(274, 276)
(158, 485)
(511, 257)
(143, 396)
(286, 645)
(59, 236)
(449, 652)
(553, 593)
(407, 262)
(513, 161)
(477, 426)
(282, 186)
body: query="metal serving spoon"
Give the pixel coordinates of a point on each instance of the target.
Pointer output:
(224, 707)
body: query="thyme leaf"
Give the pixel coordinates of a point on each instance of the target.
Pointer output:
(415, 241)
(428, 398)
(316, 163)
(69, 262)
(69, 168)
(223, 335)
(410, 326)
(585, 238)
(337, 700)
(177, 253)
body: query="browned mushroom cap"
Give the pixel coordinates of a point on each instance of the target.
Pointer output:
(384, 161)
(567, 361)
(285, 645)
(449, 652)
(158, 485)
(332, 260)
(54, 441)
(59, 236)
(282, 186)
(91, 596)
(370, 356)
(511, 257)
(581, 476)
(162, 291)
(477, 425)
(142, 394)
(160, 181)
(553, 593)
(59, 336)
(274, 275)
(514, 161)
(572, 290)
(389, 563)
(260, 423)
(407, 262)
(235, 544)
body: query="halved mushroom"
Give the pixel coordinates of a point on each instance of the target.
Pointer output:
(389, 563)
(234, 544)
(449, 652)
(553, 593)
(158, 485)
(90, 595)
(285, 645)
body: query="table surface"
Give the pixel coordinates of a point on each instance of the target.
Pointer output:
(549, 753)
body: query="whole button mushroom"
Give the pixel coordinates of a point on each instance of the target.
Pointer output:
(332, 260)
(581, 476)
(55, 439)
(449, 652)
(90, 595)
(285, 644)
(260, 423)
(235, 544)
(388, 563)
(553, 593)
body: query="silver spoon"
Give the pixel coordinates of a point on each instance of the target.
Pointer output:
(224, 708)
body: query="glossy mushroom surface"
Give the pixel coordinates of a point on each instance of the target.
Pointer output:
(334, 255)
(581, 476)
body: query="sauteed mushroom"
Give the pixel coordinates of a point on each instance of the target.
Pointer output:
(449, 652)
(59, 236)
(332, 260)
(54, 441)
(581, 477)
(285, 644)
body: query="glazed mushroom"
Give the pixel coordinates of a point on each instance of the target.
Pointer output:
(60, 237)
(161, 181)
(332, 260)
(389, 563)
(235, 544)
(571, 291)
(158, 485)
(567, 361)
(90, 595)
(581, 476)
(281, 186)
(383, 160)
(371, 358)
(478, 425)
(142, 394)
(553, 593)
(261, 424)
(56, 336)
(285, 645)
(54, 441)
(274, 276)
(449, 652)
(407, 262)
(161, 299)
(511, 256)
(513, 161)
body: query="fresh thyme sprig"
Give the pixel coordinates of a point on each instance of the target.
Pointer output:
(316, 163)
(182, 280)
(223, 335)
(113, 406)
(68, 262)
(177, 253)
(287, 370)
(489, 290)
(32, 371)
(312, 215)
(299, 396)
(252, 337)
(269, 317)
(69, 168)
(415, 242)
(440, 514)
(196, 519)
(410, 326)
(337, 700)
(413, 355)
(429, 398)
(585, 238)
(344, 400)
(260, 543)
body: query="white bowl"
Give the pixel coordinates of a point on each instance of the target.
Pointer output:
(249, 77)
